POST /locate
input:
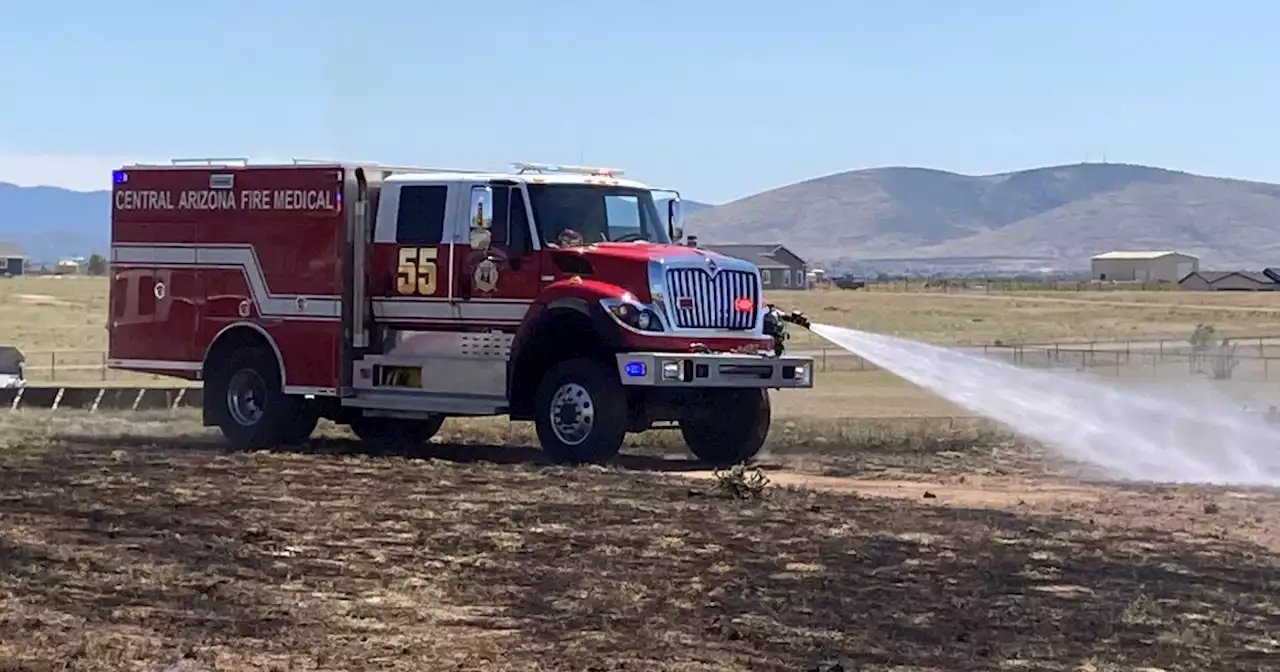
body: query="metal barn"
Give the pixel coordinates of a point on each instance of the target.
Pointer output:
(1157, 266)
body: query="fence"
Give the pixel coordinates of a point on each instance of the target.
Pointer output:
(1007, 285)
(78, 366)
(1257, 358)
(94, 399)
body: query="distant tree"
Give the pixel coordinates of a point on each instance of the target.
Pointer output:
(97, 264)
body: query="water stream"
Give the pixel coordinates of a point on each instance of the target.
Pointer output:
(1186, 432)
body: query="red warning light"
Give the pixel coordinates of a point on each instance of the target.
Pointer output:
(743, 304)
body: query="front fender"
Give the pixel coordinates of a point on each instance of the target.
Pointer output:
(552, 305)
(588, 290)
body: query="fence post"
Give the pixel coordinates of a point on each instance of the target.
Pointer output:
(824, 359)
(53, 366)
(104, 365)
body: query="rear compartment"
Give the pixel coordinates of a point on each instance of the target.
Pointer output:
(196, 249)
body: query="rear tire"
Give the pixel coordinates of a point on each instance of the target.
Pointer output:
(396, 435)
(731, 427)
(253, 410)
(580, 412)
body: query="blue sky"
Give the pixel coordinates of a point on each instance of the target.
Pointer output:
(720, 99)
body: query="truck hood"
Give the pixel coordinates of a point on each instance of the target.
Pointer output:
(644, 251)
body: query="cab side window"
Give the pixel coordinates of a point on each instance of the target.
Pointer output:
(518, 236)
(510, 227)
(420, 220)
(501, 215)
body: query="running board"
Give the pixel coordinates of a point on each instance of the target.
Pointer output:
(427, 402)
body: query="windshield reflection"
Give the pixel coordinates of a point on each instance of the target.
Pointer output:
(583, 214)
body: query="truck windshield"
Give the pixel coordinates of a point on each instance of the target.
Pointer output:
(582, 214)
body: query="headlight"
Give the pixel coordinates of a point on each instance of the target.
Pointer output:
(634, 316)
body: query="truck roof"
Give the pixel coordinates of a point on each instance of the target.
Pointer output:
(529, 172)
(531, 178)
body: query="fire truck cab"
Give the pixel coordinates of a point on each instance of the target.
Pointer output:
(390, 298)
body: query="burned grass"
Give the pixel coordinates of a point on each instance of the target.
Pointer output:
(133, 544)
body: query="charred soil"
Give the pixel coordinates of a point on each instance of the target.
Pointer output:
(126, 544)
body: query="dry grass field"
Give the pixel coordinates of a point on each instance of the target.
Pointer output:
(892, 533)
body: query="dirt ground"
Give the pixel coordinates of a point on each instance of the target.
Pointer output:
(134, 544)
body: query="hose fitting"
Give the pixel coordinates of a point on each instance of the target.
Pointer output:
(775, 326)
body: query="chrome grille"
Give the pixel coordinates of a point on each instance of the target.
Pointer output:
(700, 300)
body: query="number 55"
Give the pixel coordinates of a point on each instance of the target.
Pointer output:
(416, 271)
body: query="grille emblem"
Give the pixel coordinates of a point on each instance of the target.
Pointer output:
(712, 266)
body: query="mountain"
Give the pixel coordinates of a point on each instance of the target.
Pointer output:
(48, 223)
(1054, 217)
(688, 207)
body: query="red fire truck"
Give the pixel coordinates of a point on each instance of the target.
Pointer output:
(389, 298)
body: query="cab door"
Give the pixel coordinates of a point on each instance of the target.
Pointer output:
(500, 274)
(412, 260)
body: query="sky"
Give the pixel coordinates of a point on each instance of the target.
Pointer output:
(719, 99)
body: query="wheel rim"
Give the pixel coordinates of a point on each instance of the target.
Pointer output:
(246, 395)
(572, 414)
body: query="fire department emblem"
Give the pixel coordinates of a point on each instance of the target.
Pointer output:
(486, 277)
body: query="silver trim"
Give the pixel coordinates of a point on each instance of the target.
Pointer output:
(713, 295)
(660, 291)
(154, 364)
(719, 370)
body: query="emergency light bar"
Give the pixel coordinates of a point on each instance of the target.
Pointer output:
(522, 167)
(211, 161)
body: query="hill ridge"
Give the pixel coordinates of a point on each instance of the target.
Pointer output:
(1064, 213)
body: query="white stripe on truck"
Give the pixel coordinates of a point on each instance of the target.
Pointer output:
(309, 306)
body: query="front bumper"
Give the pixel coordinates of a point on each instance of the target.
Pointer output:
(673, 369)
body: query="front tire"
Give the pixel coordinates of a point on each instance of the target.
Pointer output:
(580, 412)
(730, 427)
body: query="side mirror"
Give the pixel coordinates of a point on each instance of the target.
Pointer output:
(675, 218)
(677, 234)
(481, 217)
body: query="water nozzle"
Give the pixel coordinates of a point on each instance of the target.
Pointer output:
(774, 320)
(795, 317)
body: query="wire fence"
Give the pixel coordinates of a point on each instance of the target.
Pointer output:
(1255, 357)
(77, 366)
(1005, 285)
